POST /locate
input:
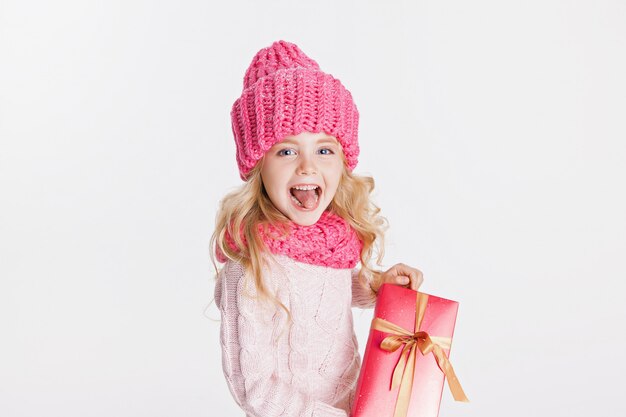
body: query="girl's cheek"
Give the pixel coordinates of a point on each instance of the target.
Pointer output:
(331, 162)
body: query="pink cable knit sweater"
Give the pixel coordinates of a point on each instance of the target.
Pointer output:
(312, 368)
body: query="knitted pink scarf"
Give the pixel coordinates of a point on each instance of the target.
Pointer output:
(329, 242)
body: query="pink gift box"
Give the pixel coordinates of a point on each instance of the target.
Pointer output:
(374, 395)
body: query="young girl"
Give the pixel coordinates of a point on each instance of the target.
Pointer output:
(291, 238)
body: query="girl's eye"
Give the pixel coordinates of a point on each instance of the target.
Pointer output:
(326, 151)
(286, 152)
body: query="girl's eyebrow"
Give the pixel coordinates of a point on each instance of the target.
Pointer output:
(287, 141)
(327, 140)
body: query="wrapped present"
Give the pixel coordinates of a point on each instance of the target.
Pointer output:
(406, 356)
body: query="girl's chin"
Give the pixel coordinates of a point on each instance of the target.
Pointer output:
(305, 218)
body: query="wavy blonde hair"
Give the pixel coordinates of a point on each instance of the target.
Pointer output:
(241, 211)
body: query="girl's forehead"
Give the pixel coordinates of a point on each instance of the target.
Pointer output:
(309, 137)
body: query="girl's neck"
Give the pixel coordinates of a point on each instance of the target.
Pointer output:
(330, 242)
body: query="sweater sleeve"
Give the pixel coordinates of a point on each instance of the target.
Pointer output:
(362, 294)
(247, 334)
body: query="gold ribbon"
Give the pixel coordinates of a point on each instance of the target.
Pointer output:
(404, 371)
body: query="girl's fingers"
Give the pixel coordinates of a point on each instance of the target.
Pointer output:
(411, 275)
(402, 280)
(416, 279)
(401, 274)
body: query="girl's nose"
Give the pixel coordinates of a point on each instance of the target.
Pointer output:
(307, 166)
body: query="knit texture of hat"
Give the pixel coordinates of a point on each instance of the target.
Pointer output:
(286, 93)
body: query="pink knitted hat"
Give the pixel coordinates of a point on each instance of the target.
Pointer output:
(286, 93)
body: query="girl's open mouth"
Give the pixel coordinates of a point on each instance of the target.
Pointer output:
(305, 196)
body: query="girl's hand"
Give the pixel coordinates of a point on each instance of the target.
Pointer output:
(399, 274)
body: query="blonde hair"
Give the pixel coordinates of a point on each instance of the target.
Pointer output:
(241, 211)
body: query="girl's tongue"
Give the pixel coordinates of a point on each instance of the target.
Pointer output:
(308, 198)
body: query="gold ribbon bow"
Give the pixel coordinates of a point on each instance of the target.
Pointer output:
(405, 368)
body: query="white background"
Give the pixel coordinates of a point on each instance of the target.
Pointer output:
(494, 129)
